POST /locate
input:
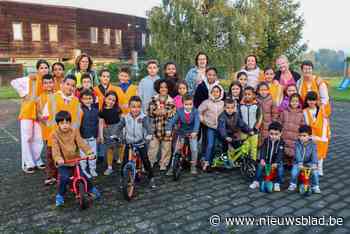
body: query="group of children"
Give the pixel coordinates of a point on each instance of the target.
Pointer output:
(159, 114)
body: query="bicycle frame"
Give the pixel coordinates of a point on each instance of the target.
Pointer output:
(76, 175)
(304, 176)
(182, 147)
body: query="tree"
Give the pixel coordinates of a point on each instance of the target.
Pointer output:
(327, 62)
(182, 28)
(227, 31)
(276, 27)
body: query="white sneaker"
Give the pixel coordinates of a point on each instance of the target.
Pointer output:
(276, 187)
(93, 173)
(316, 189)
(292, 187)
(254, 185)
(108, 171)
(170, 172)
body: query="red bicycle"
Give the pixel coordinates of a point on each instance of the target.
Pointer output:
(78, 184)
(181, 156)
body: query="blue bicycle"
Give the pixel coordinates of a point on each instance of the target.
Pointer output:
(132, 170)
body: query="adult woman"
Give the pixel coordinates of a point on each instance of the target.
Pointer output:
(29, 89)
(310, 82)
(196, 75)
(285, 76)
(312, 88)
(83, 64)
(253, 71)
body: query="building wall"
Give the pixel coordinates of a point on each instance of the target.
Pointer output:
(73, 32)
(29, 14)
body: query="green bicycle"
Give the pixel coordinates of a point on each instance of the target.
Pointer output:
(236, 158)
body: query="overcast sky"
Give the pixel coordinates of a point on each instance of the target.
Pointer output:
(327, 21)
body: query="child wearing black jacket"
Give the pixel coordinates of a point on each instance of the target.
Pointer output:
(231, 124)
(89, 130)
(271, 152)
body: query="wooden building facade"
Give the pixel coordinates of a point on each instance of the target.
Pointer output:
(32, 31)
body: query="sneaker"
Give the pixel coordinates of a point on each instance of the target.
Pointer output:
(59, 200)
(254, 185)
(292, 187)
(276, 187)
(50, 181)
(152, 183)
(194, 170)
(320, 172)
(108, 171)
(205, 165)
(93, 173)
(162, 169)
(41, 167)
(96, 193)
(29, 170)
(170, 172)
(316, 189)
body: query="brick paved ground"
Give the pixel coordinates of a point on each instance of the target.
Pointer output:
(26, 206)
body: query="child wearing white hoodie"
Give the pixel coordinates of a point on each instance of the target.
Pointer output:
(209, 112)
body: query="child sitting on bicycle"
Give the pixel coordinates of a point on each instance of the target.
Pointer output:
(188, 119)
(271, 152)
(66, 142)
(136, 128)
(231, 124)
(305, 155)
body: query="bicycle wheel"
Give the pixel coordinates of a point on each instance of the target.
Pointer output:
(248, 168)
(83, 195)
(128, 181)
(177, 166)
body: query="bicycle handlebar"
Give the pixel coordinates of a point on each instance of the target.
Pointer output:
(76, 160)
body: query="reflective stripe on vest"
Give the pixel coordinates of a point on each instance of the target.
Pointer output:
(76, 124)
(33, 94)
(52, 111)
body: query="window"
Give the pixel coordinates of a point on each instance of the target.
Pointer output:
(17, 32)
(53, 37)
(143, 40)
(118, 37)
(106, 36)
(36, 36)
(94, 34)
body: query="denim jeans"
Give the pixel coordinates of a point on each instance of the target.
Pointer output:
(64, 174)
(280, 173)
(295, 173)
(211, 135)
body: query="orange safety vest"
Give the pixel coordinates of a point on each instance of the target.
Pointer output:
(43, 100)
(124, 97)
(58, 81)
(28, 105)
(276, 90)
(101, 96)
(320, 131)
(314, 85)
(56, 103)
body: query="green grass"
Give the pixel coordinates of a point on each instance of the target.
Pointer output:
(8, 92)
(337, 95)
